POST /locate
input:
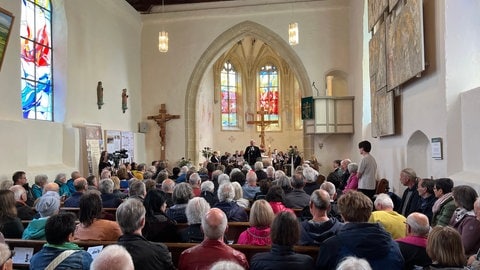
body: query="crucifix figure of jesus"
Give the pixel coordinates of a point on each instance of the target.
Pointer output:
(262, 123)
(161, 120)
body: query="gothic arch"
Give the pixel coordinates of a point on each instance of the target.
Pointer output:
(418, 154)
(223, 42)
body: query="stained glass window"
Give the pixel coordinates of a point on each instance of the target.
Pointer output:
(36, 59)
(229, 92)
(268, 93)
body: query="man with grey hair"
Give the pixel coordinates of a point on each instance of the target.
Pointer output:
(393, 222)
(24, 211)
(297, 198)
(194, 180)
(320, 227)
(346, 173)
(261, 174)
(223, 178)
(332, 192)
(413, 246)
(250, 188)
(208, 192)
(167, 187)
(411, 200)
(310, 180)
(109, 200)
(196, 209)
(137, 190)
(232, 210)
(212, 248)
(145, 254)
(113, 257)
(81, 186)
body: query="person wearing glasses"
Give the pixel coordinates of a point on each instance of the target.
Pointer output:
(444, 207)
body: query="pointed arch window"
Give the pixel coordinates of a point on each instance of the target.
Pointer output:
(229, 94)
(268, 94)
(36, 59)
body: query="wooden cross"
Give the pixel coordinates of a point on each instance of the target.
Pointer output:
(262, 123)
(161, 120)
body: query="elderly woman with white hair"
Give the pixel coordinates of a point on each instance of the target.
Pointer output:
(208, 192)
(311, 183)
(226, 195)
(196, 209)
(244, 203)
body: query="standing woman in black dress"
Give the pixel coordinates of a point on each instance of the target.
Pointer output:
(103, 162)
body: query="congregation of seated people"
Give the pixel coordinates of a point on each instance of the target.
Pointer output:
(433, 224)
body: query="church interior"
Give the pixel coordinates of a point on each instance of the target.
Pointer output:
(432, 118)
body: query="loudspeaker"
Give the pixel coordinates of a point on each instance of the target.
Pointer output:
(143, 127)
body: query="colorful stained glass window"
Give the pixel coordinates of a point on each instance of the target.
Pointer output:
(36, 59)
(229, 92)
(268, 93)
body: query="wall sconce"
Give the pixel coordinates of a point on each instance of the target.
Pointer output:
(293, 33)
(163, 36)
(99, 95)
(124, 100)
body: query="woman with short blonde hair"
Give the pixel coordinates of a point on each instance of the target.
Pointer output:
(261, 217)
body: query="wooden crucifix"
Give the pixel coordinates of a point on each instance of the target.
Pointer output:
(161, 120)
(262, 123)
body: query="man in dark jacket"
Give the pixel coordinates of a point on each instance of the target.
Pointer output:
(411, 200)
(320, 227)
(359, 238)
(232, 210)
(297, 198)
(413, 246)
(146, 255)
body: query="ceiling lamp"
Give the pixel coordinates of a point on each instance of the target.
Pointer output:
(293, 33)
(163, 36)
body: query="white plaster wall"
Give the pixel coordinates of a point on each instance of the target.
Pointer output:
(101, 43)
(462, 74)
(324, 39)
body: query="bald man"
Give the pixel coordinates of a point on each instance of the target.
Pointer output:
(81, 185)
(414, 244)
(212, 249)
(51, 187)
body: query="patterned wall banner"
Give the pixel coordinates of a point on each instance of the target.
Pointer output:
(375, 11)
(377, 61)
(405, 46)
(383, 117)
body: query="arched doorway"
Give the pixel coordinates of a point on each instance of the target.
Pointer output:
(418, 153)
